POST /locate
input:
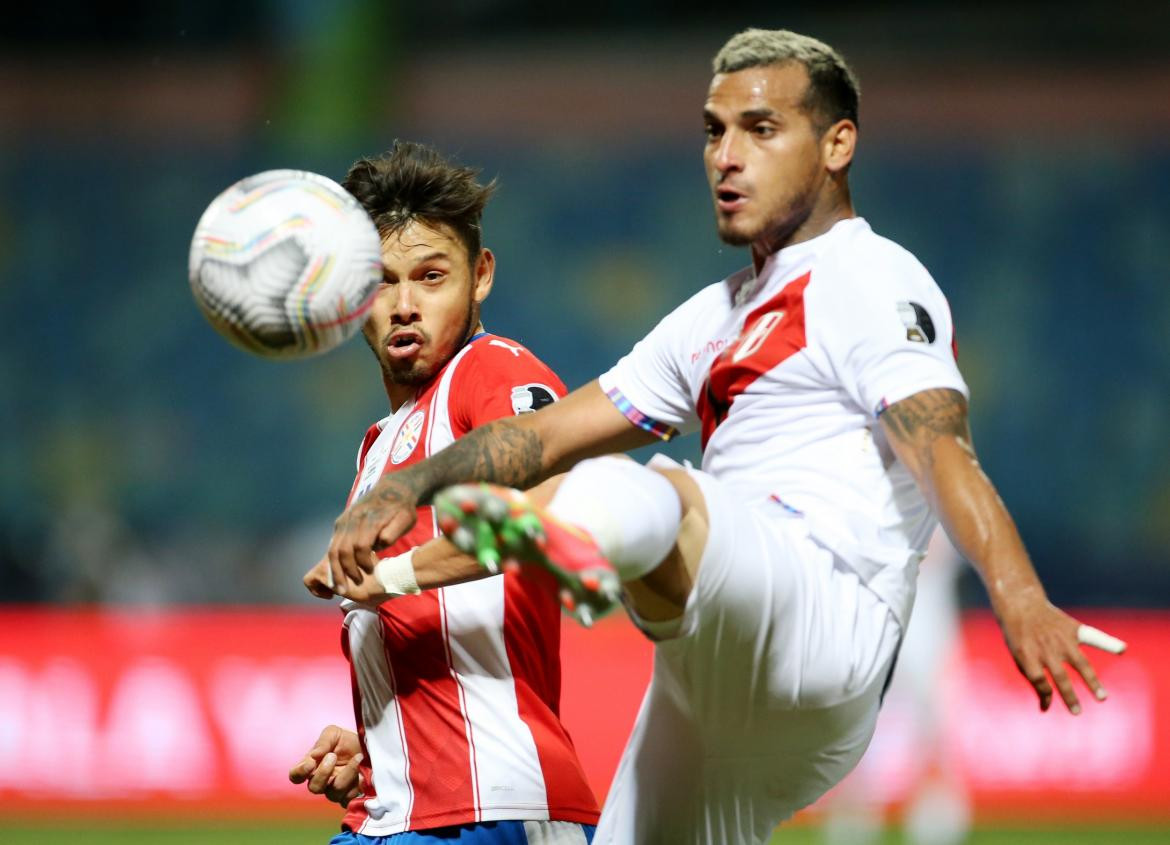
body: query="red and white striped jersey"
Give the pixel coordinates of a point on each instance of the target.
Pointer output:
(457, 690)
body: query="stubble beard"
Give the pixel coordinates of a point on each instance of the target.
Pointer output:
(417, 373)
(775, 231)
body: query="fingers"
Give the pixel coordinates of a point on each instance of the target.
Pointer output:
(301, 771)
(345, 784)
(1033, 670)
(394, 529)
(320, 777)
(327, 741)
(319, 580)
(342, 557)
(1064, 684)
(1051, 663)
(1085, 670)
(357, 534)
(1088, 635)
(364, 589)
(347, 549)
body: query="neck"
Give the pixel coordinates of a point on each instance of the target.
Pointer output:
(398, 394)
(831, 207)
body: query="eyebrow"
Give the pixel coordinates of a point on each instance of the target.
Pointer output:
(750, 114)
(432, 256)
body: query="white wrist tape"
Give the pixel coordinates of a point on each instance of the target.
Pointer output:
(396, 575)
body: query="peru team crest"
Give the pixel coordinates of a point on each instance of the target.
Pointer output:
(407, 438)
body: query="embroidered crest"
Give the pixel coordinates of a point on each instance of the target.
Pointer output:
(407, 437)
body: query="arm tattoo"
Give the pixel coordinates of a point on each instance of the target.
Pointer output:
(501, 452)
(921, 419)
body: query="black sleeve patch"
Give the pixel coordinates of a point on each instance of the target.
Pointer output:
(527, 398)
(919, 326)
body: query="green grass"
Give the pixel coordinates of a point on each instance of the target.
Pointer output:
(106, 833)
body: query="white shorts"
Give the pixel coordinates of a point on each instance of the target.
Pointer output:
(768, 695)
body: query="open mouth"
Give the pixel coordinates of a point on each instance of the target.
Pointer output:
(404, 344)
(729, 199)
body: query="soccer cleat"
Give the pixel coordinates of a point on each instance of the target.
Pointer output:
(499, 527)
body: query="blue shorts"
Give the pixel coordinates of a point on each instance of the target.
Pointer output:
(484, 833)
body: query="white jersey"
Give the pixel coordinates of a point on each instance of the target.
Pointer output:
(786, 371)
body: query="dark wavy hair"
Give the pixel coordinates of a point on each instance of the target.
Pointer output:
(413, 182)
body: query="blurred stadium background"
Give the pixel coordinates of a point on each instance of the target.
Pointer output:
(161, 493)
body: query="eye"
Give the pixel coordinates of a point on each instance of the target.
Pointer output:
(712, 131)
(434, 276)
(763, 130)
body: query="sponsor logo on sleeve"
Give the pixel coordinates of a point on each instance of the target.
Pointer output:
(515, 350)
(527, 398)
(919, 326)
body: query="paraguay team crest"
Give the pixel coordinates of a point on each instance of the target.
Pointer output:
(407, 437)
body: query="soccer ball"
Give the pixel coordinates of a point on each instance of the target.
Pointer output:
(285, 264)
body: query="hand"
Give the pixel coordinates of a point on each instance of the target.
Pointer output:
(368, 590)
(319, 580)
(331, 766)
(1042, 639)
(374, 521)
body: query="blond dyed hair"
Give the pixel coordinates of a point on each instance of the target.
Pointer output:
(833, 91)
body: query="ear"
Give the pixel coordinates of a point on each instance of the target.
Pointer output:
(485, 272)
(838, 144)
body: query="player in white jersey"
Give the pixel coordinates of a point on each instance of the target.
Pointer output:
(456, 690)
(777, 580)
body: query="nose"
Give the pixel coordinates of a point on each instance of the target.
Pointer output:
(405, 310)
(727, 156)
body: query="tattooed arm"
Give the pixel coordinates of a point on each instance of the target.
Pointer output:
(515, 452)
(929, 433)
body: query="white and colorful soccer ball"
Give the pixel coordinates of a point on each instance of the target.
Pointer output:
(285, 264)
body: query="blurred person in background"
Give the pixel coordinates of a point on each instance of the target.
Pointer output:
(456, 690)
(776, 583)
(936, 807)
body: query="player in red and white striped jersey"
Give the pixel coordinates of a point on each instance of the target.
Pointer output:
(456, 689)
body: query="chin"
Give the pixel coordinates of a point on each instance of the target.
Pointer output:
(733, 236)
(416, 374)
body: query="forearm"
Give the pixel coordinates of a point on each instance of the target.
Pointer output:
(521, 451)
(508, 452)
(978, 523)
(929, 433)
(439, 564)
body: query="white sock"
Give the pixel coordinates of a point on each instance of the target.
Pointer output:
(630, 511)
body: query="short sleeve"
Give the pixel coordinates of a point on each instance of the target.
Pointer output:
(892, 334)
(650, 384)
(501, 378)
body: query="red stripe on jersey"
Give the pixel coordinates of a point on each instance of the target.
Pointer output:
(432, 713)
(771, 333)
(532, 639)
